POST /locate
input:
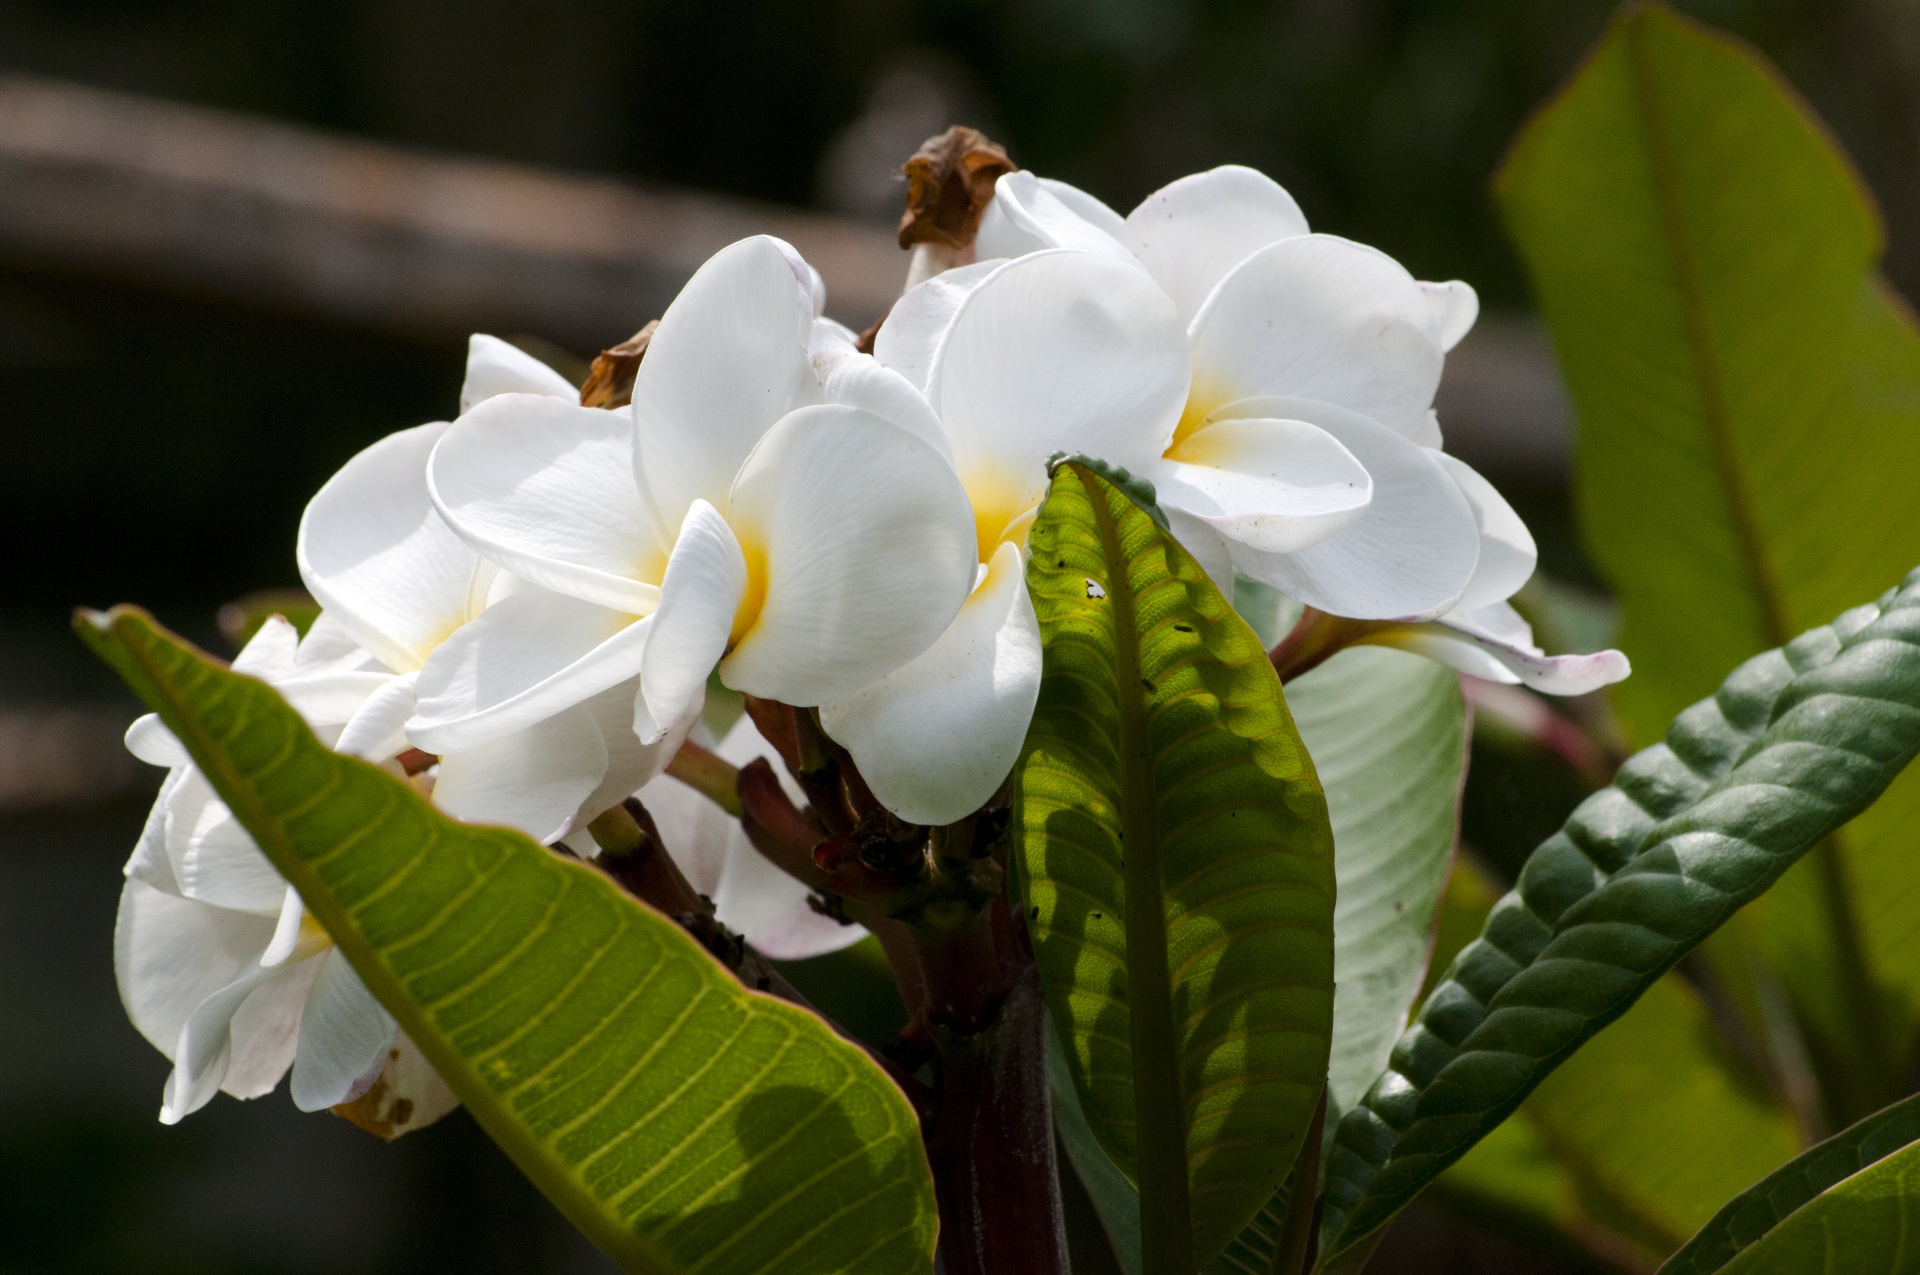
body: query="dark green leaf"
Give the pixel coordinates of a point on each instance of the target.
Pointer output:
(1750, 1217)
(1797, 742)
(1113, 1196)
(1191, 980)
(681, 1121)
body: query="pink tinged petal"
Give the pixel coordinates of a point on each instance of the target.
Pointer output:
(859, 380)
(494, 367)
(699, 601)
(527, 657)
(1025, 216)
(1191, 233)
(1271, 485)
(344, 1038)
(864, 543)
(533, 780)
(728, 360)
(1320, 317)
(1486, 643)
(378, 728)
(546, 489)
(171, 953)
(1507, 553)
(375, 554)
(911, 334)
(936, 738)
(1060, 351)
(630, 763)
(265, 1032)
(1204, 544)
(1455, 307)
(150, 741)
(271, 653)
(752, 896)
(1409, 556)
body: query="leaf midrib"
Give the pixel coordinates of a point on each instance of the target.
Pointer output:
(1166, 1220)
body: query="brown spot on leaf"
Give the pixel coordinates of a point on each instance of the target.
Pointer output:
(610, 382)
(949, 184)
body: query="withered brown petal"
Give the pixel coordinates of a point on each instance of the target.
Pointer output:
(610, 382)
(949, 184)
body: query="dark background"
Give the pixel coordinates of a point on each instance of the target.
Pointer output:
(157, 445)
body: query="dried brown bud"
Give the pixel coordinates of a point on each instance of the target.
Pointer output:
(610, 383)
(949, 184)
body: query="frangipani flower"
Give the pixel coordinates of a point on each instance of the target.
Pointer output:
(219, 964)
(804, 535)
(1279, 319)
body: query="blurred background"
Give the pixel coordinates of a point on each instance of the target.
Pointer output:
(241, 240)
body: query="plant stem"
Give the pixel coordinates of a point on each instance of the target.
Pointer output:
(1297, 1248)
(708, 774)
(1159, 1104)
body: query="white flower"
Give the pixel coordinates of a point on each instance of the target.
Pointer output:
(1297, 336)
(219, 964)
(801, 532)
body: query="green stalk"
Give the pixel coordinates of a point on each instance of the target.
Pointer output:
(1166, 1207)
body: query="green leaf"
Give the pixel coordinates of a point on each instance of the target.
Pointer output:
(1387, 733)
(1749, 399)
(1775, 1203)
(679, 1120)
(1113, 1196)
(1797, 742)
(1191, 980)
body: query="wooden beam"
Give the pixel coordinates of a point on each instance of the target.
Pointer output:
(287, 217)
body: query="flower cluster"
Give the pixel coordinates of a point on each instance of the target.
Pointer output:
(523, 609)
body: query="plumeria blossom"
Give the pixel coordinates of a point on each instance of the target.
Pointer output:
(1291, 332)
(800, 531)
(220, 966)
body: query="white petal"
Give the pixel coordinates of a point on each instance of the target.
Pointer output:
(344, 1038)
(1276, 486)
(494, 367)
(630, 763)
(728, 360)
(1507, 553)
(1191, 233)
(1455, 306)
(859, 380)
(1482, 642)
(828, 336)
(150, 861)
(373, 551)
(527, 657)
(865, 542)
(150, 741)
(327, 645)
(330, 698)
(171, 953)
(408, 1094)
(1059, 351)
(1409, 555)
(1320, 317)
(699, 601)
(213, 859)
(752, 896)
(1204, 545)
(546, 489)
(533, 780)
(378, 729)
(287, 931)
(694, 829)
(271, 653)
(1027, 217)
(265, 1032)
(936, 738)
(911, 334)
(1086, 207)
(208, 1042)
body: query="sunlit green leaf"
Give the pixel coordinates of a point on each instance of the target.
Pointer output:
(1749, 400)
(1858, 1214)
(680, 1121)
(1795, 743)
(1190, 979)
